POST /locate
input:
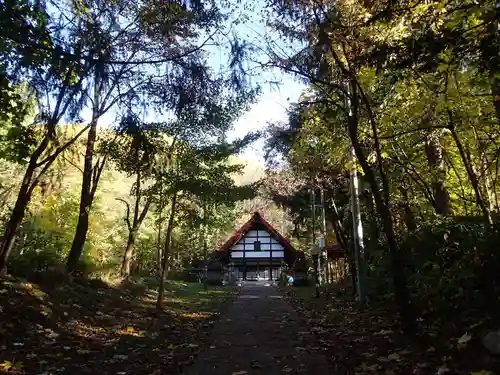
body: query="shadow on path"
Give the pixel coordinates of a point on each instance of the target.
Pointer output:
(260, 334)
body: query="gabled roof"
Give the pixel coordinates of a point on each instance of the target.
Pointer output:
(256, 219)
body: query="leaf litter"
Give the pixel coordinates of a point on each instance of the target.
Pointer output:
(89, 327)
(369, 341)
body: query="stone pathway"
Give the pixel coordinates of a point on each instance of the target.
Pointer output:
(260, 334)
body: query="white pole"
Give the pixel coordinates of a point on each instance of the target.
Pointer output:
(324, 254)
(317, 264)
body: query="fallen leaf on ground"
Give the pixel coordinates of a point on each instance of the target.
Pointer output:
(464, 338)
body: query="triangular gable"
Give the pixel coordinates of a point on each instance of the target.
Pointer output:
(256, 218)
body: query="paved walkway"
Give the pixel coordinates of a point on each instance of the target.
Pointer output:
(259, 334)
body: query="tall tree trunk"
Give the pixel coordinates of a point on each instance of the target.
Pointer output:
(489, 181)
(86, 199)
(158, 237)
(492, 194)
(401, 291)
(166, 252)
(373, 223)
(344, 242)
(132, 235)
(89, 181)
(133, 228)
(129, 253)
(158, 251)
(495, 91)
(338, 230)
(436, 162)
(409, 217)
(492, 58)
(472, 176)
(205, 248)
(13, 225)
(30, 181)
(22, 201)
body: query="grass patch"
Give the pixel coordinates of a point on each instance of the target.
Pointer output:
(185, 297)
(191, 297)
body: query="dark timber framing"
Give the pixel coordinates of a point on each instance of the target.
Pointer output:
(244, 260)
(270, 250)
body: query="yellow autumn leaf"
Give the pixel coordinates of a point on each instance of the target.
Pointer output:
(6, 365)
(133, 332)
(482, 372)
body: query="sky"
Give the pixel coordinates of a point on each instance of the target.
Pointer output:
(274, 101)
(271, 106)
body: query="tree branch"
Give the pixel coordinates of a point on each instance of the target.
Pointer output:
(97, 176)
(73, 164)
(144, 212)
(73, 57)
(51, 158)
(127, 218)
(414, 130)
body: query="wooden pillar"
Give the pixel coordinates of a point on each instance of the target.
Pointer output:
(244, 259)
(270, 259)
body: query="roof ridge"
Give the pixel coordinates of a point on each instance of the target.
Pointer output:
(246, 227)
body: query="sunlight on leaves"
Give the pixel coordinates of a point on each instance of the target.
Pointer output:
(196, 315)
(132, 332)
(8, 365)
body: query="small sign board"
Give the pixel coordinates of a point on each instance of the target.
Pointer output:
(321, 242)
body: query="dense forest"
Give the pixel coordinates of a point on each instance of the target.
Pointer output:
(46, 234)
(398, 129)
(406, 96)
(154, 187)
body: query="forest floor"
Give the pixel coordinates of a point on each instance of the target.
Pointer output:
(92, 327)
(370, 341)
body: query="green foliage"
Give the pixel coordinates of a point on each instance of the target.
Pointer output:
(447, 257)
(47, 232)
(18, 135)
(452, 271)
(113, 55)
(32, 261)
(145, 248)
(421, 113)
